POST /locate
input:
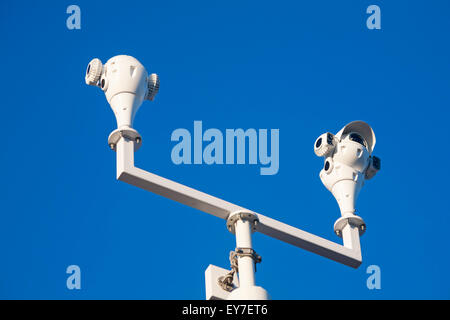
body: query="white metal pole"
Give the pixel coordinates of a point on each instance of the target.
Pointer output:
(349, 254)
(350, 237)
(245, 263)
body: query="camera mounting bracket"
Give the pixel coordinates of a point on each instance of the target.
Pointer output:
(128, 133)
(354, 221)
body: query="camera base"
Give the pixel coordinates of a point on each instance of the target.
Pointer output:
(128, 133)
(353, 221)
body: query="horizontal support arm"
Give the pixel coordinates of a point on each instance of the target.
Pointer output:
(348, 254)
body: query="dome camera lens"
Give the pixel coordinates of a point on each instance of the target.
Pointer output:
(357, 138)
(318, 142)
(376, 162)
(329, 138)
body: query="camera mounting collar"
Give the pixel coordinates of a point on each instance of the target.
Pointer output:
(241, 215)
(354, 221)
(128, 133)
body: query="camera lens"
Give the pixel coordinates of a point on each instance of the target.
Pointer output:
(357, 138)
(103, 83)
(376, 162)
(327, 165)
(319, 142)
(88, 69)
(329, 138)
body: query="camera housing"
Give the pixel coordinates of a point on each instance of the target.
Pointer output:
(373, 168)
(325, 145)
(348, 162)
(126, 84)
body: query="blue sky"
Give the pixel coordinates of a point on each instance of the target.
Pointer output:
(302, 67)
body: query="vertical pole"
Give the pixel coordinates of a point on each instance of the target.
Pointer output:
(246, 264)
(350, 236)
(125, 155)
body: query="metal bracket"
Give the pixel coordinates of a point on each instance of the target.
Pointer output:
(244, 216)
(226, 281)
(249, 252)
(128, 133)
(214, 288)
(353, 221)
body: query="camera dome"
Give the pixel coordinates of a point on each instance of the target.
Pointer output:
(362, 129)
(93, 72)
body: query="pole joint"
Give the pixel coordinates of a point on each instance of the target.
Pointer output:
(249, 252)
(128, 133)
(244, 216)
(353, 220)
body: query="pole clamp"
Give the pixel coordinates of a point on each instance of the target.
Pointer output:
(249, 252)
(353, 220)
(244, 216)
(226, 281)
(128, 133)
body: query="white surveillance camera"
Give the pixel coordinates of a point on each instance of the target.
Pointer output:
(348, 162)
(93, 72)
(373, 168)
(324, 145)
(328, 165)
(126, 84)
(152, 86)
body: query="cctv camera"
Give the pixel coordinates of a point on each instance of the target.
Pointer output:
(325, 145)
(348, 162)
(93, 72)
(373, 168)
(126, 84)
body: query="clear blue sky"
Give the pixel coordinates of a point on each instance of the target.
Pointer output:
(304, 67)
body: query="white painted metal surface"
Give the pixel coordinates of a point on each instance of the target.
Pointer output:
(348, 254)
(213, 290)
(249, 293)
(126, 84)
(247, 289)
(245, 263)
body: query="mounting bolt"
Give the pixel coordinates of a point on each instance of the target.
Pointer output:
(353, 221)
(241, 215)
(129, 134)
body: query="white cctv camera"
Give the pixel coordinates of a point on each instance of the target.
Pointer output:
(348, 162)
(126, 84)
